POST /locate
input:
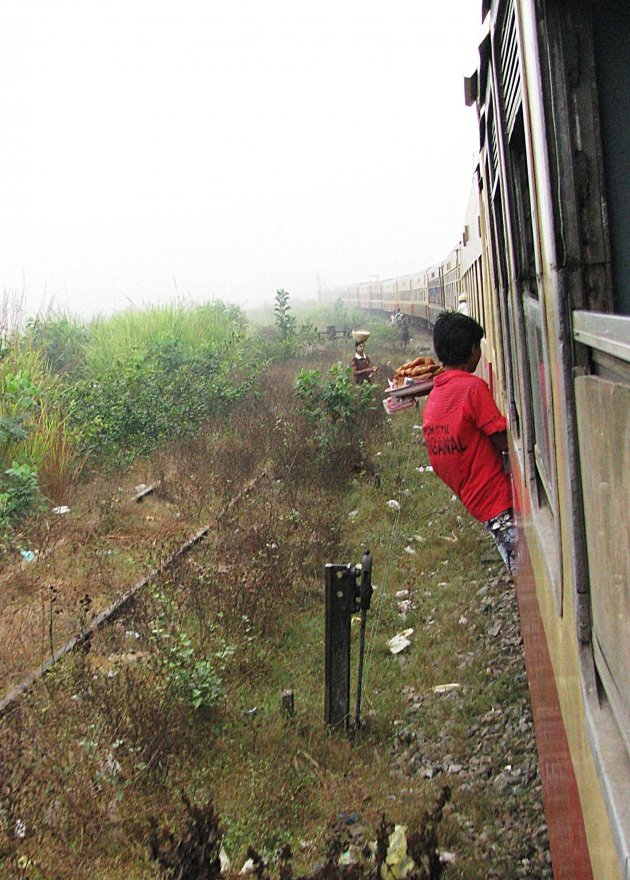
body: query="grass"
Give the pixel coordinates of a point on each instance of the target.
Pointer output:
(112, 340)
(106, 742)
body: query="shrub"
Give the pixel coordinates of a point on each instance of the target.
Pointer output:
(164, 393)
(20, 494)
(19, 489)
(192, 673)
(334, 406)
(61, 340)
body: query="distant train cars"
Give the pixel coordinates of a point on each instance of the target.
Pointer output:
(424, 294)
(544, 260)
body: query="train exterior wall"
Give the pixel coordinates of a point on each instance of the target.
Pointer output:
(537, 291)
(544, 265)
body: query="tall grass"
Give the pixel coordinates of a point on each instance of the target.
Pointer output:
(53, 448)
(110, 377)
(113, 340)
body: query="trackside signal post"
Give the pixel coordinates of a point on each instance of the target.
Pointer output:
(348, 590)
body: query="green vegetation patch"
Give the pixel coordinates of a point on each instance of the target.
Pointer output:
(174, 716)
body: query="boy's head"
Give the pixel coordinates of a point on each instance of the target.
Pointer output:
(454, 337)
(359, 346)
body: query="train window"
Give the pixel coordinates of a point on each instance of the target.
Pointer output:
(506, 313)
(522, 209)
(541, 402)
(529, 317)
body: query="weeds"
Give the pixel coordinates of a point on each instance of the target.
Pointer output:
(160, 705)
(190, 674)
(196, 854)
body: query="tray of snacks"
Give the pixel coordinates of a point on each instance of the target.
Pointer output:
(411, 380)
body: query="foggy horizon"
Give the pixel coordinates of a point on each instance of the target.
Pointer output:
(156, 152)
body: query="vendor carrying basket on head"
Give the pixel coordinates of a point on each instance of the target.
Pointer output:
(362, 368)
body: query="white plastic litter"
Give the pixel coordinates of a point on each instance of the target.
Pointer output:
(445, 688)
(393, 504)
(402, 594)
(400, 641)
(353, 514)
(250, 866)
(63, 508)
(224, 859)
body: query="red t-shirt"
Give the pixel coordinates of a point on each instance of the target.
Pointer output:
(459, 417)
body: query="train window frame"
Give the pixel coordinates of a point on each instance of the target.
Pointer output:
(513, 394)
(525, 297)
(544, 461)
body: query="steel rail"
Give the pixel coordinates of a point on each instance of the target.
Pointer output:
(111, 612)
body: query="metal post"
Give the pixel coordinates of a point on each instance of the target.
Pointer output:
(340, 605)
(365, 599)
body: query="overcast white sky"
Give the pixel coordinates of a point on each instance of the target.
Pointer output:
(227, 149)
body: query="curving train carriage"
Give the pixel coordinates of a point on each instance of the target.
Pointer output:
(544, 259)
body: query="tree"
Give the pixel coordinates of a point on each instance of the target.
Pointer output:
(285, 322)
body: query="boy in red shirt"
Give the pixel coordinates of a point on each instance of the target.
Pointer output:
(465, 433)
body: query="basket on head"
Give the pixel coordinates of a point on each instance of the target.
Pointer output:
(360, 335)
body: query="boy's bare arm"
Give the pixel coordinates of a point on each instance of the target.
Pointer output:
(499, 441)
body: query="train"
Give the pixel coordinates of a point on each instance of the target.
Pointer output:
(544, 264)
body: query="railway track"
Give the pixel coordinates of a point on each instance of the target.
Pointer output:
(113, 611)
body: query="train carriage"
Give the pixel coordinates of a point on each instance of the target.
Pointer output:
(544, 260)
(551, 79)
(390, 295)
(452, 278)
(472, 257)
(435, 288)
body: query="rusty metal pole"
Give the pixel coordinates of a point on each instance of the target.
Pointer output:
(340, 605)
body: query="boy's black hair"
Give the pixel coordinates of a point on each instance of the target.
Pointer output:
(454, 335)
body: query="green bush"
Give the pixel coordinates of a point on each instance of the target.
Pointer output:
(334, 405)
(163, 394)
(192, 674)
(61, 339)
(19, 489)
(19, 494)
